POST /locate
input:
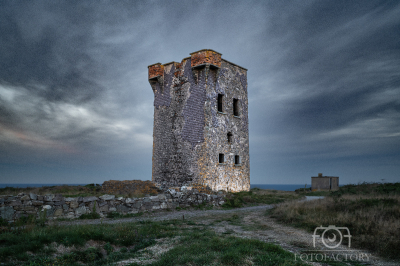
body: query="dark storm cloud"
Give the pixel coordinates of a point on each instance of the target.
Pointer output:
(323, 79)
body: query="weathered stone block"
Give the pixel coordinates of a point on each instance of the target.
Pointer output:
(58, 198)
(103, 208)
(73, 204)
(33, 196)
(122, 208)
(48, 197)
(15, 203)
(107, 197)
(37, 202)
(81, 210)
(58, 212)
(25, 197)
(7, 212)
(90, 199)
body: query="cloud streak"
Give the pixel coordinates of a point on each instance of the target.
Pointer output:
(324, 85)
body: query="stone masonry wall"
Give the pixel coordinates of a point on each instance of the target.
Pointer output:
(189, 132)
(56, 206)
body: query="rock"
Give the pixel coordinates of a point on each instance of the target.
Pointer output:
(161, 197)
(81, 210)
(221, 202)
(65, 206)
(70, 199)
(80, 199)
(93, 205)
(184, 189)
(122, 208)
(156, 207)
(70, 215)
(28, 208)
(112, 209)
(90, 199)
(137, 204)
(120, 198)
(21, 194)
(103, 208)
(48, 209)
(129, 200)
(48, 197)
(107, 197)
(15, 203)
(146, 199)
(7, 213)
(171, 191)
(33, 196)
(101, 204)
(163, 205)
(133, 211)
(58, 212)
(178, 194)
(25, 197)
(40, 198)
(58, 198)
(154, 198)
(73, 204)
(37, 202)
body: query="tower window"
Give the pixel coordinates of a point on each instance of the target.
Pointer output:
(237, 159)
(229, 137)
(221, 158)
(236, 107)
(220, 102)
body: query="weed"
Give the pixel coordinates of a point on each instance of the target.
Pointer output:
(370, 211)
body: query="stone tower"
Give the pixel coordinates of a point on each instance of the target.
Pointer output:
(201, 129)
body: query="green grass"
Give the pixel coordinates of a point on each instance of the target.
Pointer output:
(257, 196)
(195, 245)
(207, 248)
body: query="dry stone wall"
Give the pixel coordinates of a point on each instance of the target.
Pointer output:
(57, 206)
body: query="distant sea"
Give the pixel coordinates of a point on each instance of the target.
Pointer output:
(291, 187)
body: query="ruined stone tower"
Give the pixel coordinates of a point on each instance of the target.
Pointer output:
(201, 130)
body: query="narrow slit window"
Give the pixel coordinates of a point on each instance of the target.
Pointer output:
(220, 102)
(229, 137)
(237, 159)
(236, 107)
(221, 158)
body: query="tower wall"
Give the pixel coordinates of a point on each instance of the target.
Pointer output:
(189, 133)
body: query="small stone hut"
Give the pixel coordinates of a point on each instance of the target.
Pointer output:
(324, 182)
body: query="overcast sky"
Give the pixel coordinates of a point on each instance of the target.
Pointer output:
(323, 85)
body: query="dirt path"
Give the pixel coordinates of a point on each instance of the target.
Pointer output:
(253, 222)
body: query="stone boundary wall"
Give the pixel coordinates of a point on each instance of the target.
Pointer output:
(56, 206)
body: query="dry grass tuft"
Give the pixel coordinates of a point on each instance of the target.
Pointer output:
(373, 219)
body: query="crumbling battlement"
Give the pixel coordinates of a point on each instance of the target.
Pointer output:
(200, 133)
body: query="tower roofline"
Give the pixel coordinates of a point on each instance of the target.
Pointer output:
(202, 50)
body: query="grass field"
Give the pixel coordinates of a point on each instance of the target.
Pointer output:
(174, 242)
(370, 211)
